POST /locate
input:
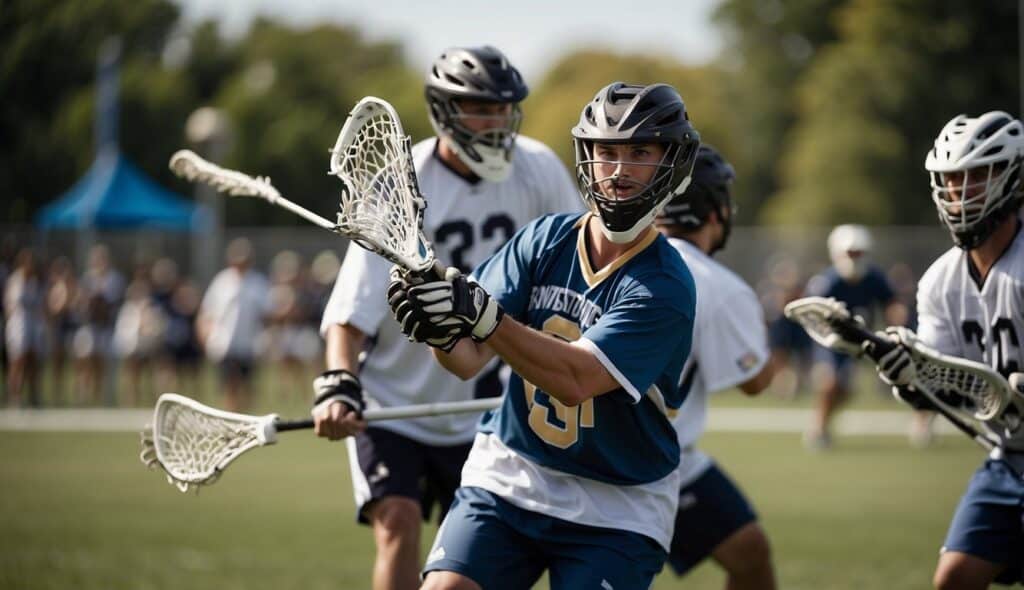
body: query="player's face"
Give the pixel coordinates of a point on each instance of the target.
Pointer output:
(480, 117)
(962, 185)
(623, 170)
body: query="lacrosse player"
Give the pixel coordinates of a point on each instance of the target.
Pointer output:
(971, 305)
(576, 471)
(482, 183)
(730, 349)
(862, 286)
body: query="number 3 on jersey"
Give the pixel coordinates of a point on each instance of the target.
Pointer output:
(564, 430)
(498, 227)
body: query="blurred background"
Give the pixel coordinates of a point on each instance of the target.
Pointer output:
(826, 108)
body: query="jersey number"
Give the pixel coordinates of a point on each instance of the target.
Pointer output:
(462, 230)
(551, 420)
(1002, 336)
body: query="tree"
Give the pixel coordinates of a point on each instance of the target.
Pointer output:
(871, 105)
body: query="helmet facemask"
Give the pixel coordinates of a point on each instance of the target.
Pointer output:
(623, 219)
(487, 152)
(968, 201)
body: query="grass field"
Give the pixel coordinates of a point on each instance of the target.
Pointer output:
(79, 511)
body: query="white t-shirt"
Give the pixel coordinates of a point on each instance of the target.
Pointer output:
(235, 305)
(466, 224)
(984, 324)
(730, 346)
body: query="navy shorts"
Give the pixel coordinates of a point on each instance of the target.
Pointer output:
(384, 463)
(988, 522)
(501, 546)
(842, 365)
(711, 509)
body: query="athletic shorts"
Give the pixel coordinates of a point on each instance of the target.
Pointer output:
(384, 463)
(841, 365)
(988, 522)
(235, 368)
(503, 547)
(711, 509)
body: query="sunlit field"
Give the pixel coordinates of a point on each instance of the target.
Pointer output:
(78, 510)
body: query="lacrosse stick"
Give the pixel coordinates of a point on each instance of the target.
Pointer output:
(381, 207)
(971, 395)
(194, 443)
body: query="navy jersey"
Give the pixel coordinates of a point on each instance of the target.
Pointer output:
(861, 298)
(636, 316)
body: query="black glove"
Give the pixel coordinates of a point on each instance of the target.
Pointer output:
(338, 385)
(896, 367)
(416, 323)
(912, 398)
(456, 304)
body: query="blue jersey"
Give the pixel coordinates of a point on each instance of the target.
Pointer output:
(861, 298)
(636, 316)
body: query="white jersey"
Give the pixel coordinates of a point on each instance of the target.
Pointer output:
(466, 223)
(730, 346)
(235, 305)
(983, 323)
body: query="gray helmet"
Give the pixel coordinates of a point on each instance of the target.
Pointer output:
(623, 113)
(710, 190)
(479, 74)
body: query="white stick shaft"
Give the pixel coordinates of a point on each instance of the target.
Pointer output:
(434, 409)
(301, 211)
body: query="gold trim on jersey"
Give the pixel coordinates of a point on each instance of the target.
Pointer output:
(589, 275)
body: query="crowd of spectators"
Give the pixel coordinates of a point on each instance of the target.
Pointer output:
(106, 335)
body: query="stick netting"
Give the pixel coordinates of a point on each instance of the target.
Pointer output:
(959, 387)
(380, 201)
(193, 447)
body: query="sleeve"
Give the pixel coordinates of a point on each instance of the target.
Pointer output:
(359, 294)
(637, 339)
(210, 306)
(735, 346)
(819, 286)
(507, 274)
(933, 326)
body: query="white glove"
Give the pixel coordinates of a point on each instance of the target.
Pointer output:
(1016, 381)
(896, 367)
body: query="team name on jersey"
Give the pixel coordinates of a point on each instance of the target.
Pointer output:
(567, 302)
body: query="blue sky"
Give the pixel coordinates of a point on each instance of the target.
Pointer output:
(533, 33)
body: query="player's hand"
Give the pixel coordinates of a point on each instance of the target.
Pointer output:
(337, 405)
(1016, 381)
(418, 324)
(458, 303)
(896, 367)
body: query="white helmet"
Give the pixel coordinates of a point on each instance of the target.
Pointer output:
(848, 247)
(981, 159)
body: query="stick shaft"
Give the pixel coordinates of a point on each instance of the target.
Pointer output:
(413, 411)
(301, 212)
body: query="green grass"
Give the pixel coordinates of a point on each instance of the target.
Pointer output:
(79, 511)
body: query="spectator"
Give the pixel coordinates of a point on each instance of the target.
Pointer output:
(99, 296)
(60, 296)
(292, 343)
(138, 334)
(24, 334)
(231, 318)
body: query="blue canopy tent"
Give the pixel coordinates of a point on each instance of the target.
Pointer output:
(115, 194)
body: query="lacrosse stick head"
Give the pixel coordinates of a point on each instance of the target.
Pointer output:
(381, 207)
(827, 322)
(194, 443)
(962, 384)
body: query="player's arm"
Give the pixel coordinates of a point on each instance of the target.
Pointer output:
(338, 403)
(568, 373)
(761, 381)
